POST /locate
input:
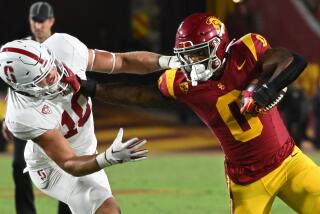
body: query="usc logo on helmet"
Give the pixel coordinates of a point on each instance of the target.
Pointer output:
(216, 23)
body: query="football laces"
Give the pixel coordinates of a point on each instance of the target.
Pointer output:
(277, 100)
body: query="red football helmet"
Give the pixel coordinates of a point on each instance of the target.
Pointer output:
(201, 39)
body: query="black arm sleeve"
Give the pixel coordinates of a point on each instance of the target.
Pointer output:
(88, 87)
(267, 92)
(289, 74)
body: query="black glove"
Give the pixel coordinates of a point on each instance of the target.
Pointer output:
(264, 95)
(87, 87)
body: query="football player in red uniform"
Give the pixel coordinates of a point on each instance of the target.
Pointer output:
(233, 86)
(225, 84)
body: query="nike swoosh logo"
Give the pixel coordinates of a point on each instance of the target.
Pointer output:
(114, 151)
(241, 66)
(292, 155)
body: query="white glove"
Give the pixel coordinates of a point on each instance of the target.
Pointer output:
(120, 152)
(199, 73)
(169, 62)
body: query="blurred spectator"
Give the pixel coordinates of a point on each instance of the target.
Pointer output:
(295, 110)
(242, 20)
(316, 108)
(302, 112)
(314, 7)
(3, 141)
(41, 19)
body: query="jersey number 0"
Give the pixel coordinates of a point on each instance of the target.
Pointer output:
(224, 105)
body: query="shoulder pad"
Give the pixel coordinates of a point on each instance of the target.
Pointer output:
(69, 50)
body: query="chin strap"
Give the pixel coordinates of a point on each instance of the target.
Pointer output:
(226, 53)
(217, 74)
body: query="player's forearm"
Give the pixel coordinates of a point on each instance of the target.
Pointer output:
(288, 74)
(81, 165)
(139, 95)
(280, 68)
(138, 62)
(126, 89)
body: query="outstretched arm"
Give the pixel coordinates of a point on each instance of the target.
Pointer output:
(138, 62)
(58, 149)
(124, 89)
(130, 89)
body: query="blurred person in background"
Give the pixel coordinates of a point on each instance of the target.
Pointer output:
(314, 7)
(234, 87)
(295, 111)
(316, 109)
(41, 20)
(3, 140)
(242, 20)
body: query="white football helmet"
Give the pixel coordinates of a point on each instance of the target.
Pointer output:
(25, 64)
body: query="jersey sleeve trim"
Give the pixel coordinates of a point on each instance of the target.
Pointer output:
(170, 76)
(166, 83)
(247, 40)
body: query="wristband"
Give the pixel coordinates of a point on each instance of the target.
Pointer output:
(164, 61)
(102, 160)
(113, 63)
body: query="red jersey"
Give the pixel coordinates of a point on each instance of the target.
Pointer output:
(253, 145)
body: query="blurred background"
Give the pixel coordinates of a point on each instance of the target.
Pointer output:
(125, 25)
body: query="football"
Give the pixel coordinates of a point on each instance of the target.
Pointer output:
(277, 100)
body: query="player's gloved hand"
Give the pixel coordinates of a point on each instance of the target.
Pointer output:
(264, 95)
(120, 152)
(71, 79)
(275, 101)
(169, 62)
(199, 73)
(248, 105)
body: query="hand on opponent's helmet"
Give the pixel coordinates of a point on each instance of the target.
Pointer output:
(169, 62)
(199, 73)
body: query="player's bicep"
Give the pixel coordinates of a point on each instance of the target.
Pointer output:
(275, 60)
(55, 146)
(101, 61)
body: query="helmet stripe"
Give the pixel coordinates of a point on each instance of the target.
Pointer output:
(24, 52)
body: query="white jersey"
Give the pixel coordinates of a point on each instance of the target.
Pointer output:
(28, 117)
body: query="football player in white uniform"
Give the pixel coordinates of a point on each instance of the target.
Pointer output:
(46, 108)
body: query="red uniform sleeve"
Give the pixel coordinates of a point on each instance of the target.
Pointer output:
(257, 45)
(166, 83)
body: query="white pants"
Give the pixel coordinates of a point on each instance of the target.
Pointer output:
(83, 194)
